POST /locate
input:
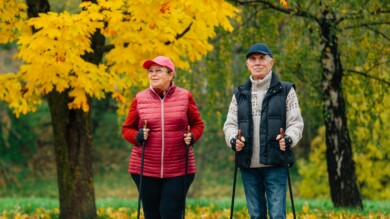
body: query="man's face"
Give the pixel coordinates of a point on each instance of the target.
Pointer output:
(259, 65)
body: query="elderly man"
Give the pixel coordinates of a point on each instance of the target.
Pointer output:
(261, 109)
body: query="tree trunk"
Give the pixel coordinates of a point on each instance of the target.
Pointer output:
(73, 149)
(341, 166)
(73, 139)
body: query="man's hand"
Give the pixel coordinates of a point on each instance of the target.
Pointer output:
(237, 144)
(282, 142)
(285, 141)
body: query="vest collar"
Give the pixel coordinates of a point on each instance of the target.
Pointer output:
(275, 85)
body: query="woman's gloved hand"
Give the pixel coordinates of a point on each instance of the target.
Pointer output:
(142, 135)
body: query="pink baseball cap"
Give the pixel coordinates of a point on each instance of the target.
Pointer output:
(160, 60)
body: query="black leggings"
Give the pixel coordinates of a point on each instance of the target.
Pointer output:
(163, 198)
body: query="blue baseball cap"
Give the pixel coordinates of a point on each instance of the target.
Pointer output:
(259, 48)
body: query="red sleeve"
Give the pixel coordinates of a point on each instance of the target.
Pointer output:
(195, 121)
(130, 126)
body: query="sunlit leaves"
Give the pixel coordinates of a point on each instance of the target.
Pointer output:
(53, 59)
(12, 20)
(136, 31)
(284, 3)
(141, 30)
(178, 29)
(13, 92)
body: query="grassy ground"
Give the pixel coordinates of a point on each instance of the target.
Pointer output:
(117, 191)
(114, 185)
(116, 194)
(32, 205)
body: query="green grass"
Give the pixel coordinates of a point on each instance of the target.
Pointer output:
(116, 191)
(29, 205)
(116, 186)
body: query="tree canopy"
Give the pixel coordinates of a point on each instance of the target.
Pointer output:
(135, 31)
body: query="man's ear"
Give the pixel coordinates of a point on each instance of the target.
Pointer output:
(246, 63)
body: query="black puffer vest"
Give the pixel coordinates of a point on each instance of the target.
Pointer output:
(273, 117)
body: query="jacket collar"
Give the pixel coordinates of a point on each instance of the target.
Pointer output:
(275, 85)
(162, 94)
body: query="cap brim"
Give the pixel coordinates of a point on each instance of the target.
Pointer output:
(264, 53)
(148, 63)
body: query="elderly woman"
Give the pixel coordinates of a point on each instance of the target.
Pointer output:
(169, 111)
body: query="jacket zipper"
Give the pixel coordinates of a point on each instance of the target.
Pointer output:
(162, 130)
(163, 136)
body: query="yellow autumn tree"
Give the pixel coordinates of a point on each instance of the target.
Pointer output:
(136, 30)
(71, 58)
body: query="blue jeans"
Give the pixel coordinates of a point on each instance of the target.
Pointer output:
(262, 186)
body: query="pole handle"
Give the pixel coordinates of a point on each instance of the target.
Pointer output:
(281, 132)
(239, 134)
(145, 124)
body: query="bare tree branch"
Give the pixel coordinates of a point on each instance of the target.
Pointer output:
(366, 73)
(360, 15)
(294, 12)
(368, 24)
(369, 27)
(378, 32)
(180, 35)
(381, 80)
(108, 47)
(244, 23)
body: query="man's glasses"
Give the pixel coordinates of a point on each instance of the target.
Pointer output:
(157, 71)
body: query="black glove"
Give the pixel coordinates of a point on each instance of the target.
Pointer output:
(140, 136)
(192, 140)
(288, 141)
(233, 143)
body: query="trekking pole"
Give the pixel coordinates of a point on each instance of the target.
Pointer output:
(234, 177)
(185, 175)
(141, 173)
(288, 175)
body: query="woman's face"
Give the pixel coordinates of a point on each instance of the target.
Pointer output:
(159, 78)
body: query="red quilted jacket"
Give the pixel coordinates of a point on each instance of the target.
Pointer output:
(167, 118)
